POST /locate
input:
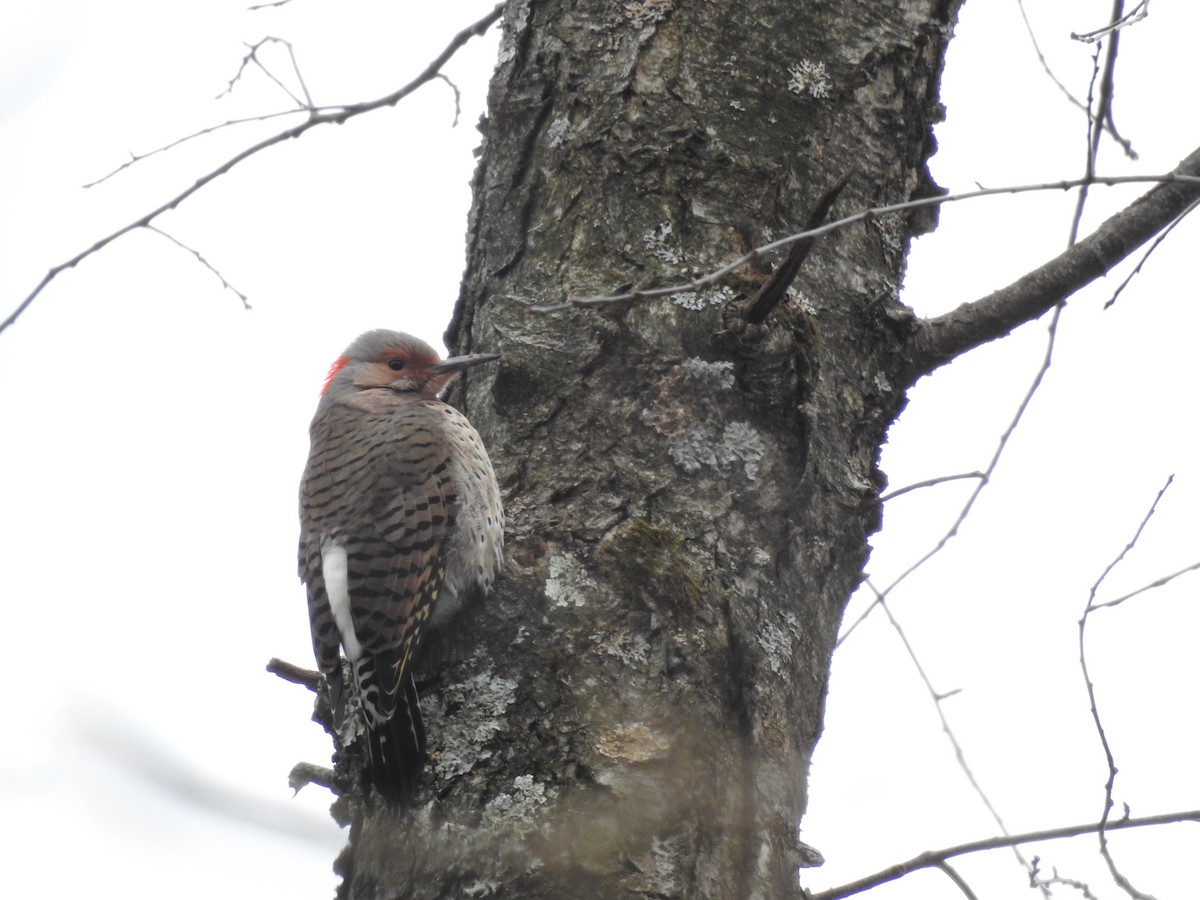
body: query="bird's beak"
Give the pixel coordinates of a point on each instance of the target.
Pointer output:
(458, 363)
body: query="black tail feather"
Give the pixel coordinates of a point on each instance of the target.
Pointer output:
(397, 747)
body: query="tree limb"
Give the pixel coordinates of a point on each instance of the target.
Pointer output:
(939, 340)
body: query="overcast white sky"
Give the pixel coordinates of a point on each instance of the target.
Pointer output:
(153, 434)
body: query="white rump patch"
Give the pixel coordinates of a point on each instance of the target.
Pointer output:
(337, 587)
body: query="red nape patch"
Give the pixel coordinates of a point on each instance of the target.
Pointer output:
(338, 365)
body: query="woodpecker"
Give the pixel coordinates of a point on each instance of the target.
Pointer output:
(400, 522)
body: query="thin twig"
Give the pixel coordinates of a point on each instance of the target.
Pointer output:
(862, 216)
(1037, 48)
(306, 106)
(1126, 145)
(1157, 583)
(1055, 878)
(1104, 110)
(308, 100)
(1052, 330)
(930, 482)
(933, 857)
(1134, 16)
(1102, 114)
(204, 262)
(957, 879)
(457, 98)
(252, 57)
(1145, 256)
(960, 755)
(135, 158)
(1089, 167)
(1119, 877)
(338, 117)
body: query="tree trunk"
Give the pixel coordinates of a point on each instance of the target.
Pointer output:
(633, 712)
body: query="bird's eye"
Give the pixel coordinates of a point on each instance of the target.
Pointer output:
(395, 364)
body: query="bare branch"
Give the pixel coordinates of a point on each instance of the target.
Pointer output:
(937, 698)
(1116, 23)
(983, 482)
(1145, 256)
(934, 857)
(301, 107)
(135, 158)
(1157, 583)
(1181, 177)
(334, 116)
(1104, 106)
(457, 98)
(1055, 879)
(204, 262)
(1101, 115)
(1037, 49)
(308, 100)
(309, 678)
(941, 339)
(957, 879)
(959, 755)
(930, 482)
(1119, 877)
(252, 57)
(1126, 145)
(1093, 136)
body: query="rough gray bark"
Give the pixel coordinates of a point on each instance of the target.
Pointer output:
(690, 496)
(633, 713)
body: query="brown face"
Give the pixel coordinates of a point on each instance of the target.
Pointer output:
(403, 369)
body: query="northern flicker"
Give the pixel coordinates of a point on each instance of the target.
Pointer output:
(400, 521)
